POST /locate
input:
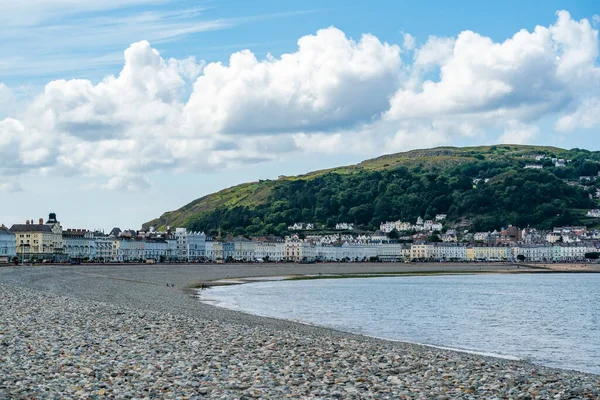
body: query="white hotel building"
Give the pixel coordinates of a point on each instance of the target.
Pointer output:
(190, 245)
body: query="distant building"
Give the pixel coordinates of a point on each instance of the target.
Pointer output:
(103, 246)
(41, 241)
(269, 249)
(533, 166)
(191, 246)
(301, 226)
(8, 244)
(344, 226)
(440, 217)
(593, 213)
(115, 232)
(79, 244)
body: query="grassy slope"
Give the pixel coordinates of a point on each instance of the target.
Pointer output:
(256, 193)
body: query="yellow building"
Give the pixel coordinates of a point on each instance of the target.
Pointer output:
(489, 253)
(41, 241)
(422, 251)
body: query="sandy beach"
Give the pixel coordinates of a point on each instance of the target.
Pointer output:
(122, 332)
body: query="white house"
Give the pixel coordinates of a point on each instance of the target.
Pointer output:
(440, 217)
(593, 213)
(301, 226)
(344, 226)
(431, 226)
(387, 227)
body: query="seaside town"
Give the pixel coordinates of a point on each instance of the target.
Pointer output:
(425, 240)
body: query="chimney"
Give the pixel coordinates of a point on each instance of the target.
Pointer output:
(41, 221)
(27, 222)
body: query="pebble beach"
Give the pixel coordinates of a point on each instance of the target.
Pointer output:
(101, 332)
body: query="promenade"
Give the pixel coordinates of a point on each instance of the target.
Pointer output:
(122, 332)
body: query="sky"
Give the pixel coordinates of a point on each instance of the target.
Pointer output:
(114, 112)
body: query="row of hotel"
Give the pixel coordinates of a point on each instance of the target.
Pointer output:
(47, 241)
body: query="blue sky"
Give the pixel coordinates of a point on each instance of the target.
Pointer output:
(172, 124)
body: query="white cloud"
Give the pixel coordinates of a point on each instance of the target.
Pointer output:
(519, 133)
(333, 95)
(131, 184)
(33, 11)
(596, 19)
(587, 115)
(409, 41)
(435, 52)
(330, 82)
(529, 76)
(44, 39)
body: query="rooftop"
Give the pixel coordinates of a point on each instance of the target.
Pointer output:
(30, 228)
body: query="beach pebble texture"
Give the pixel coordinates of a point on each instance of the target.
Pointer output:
(55, 346)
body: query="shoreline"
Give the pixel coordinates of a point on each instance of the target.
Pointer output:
(198, 292)
(311, 361)
(366, 275)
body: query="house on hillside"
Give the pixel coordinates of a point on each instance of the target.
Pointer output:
(344, 226)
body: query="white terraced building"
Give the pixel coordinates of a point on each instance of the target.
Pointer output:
(125, 250)
(535, 252)
(243, 249)
(103, 246)
(566, 253)
(79, 244)
(190, 245)
(392, 252)
(269, 249)
(448, 251)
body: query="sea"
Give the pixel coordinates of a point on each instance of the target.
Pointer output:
(547, 319)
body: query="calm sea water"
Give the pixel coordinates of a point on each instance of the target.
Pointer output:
(550, 319)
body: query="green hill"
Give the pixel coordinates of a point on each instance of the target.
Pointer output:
(407, 185)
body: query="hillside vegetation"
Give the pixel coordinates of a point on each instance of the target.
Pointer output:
(408, 185)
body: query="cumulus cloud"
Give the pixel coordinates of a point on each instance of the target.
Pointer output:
(519, 133)
(331, 82)
(409, 41)
(332, 95)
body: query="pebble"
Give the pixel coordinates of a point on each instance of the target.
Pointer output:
(54, 346)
